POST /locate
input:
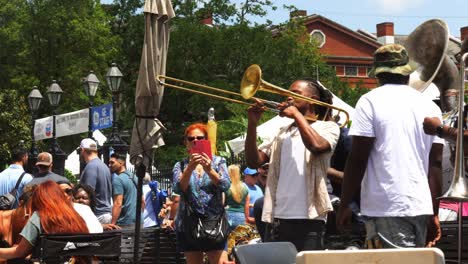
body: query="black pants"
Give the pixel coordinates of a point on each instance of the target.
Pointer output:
(305, 234)
(261, 226)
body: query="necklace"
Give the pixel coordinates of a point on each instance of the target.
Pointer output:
(199, 170)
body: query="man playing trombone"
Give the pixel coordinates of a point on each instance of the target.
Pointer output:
(296, 199)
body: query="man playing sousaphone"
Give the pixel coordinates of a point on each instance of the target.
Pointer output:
(296, 199)
(447, 130)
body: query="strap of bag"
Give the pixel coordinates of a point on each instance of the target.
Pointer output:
(184, 194)
(18, 182)
(131, 179)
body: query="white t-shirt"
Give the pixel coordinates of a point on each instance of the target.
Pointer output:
(291, 195)
(88, 216)
(395, 183)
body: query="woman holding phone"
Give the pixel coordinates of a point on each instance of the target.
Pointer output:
(201, 181)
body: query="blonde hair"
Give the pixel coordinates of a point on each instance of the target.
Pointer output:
(236, 184)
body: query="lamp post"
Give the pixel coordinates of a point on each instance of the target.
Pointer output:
(90, 85)
(54, 93)
(34, 101)
(118, 145)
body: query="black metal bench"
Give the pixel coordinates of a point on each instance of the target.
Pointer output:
(448, 243)
(156, 246)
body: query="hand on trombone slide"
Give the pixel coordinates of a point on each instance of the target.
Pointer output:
(255, 111)
(287, 108)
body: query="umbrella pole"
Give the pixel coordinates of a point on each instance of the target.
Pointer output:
(141, 170)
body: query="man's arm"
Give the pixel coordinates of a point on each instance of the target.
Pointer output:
(116, 208)
(253, 156)
(435, 185)
(354, 173)
(248, 219)
(335, 175)
(311, 139)
(450, 133)
(435, 174)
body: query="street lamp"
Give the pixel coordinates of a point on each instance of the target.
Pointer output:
(34, 101)
(54, 93)
(114, 78)
(90, 85)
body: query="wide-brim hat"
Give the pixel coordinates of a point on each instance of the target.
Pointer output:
(392, 58)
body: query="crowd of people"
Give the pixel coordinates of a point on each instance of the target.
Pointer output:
(385, 171)
(104, 199)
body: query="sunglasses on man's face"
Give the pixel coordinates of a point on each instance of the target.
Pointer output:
(193, 138)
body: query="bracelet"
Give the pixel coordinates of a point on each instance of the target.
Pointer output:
(440, 131)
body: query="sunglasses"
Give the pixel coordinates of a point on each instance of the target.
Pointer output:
(193, 138)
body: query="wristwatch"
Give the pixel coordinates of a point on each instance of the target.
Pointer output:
(440, 131)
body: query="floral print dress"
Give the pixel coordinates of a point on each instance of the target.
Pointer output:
(204, 197)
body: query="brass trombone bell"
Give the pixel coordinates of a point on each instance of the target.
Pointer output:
(252, 82)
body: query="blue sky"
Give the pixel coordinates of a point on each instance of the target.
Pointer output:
(365, 14)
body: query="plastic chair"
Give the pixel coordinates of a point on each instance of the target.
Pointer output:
(270, 252)
(381, 256)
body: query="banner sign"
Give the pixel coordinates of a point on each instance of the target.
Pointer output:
(72, 123)
(43, 128)
(102, 117)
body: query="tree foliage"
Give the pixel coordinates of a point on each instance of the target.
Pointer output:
(42, 40)
(218, 57)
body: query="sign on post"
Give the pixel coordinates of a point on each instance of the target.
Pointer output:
(43, 128)
(72, 123)
(101, 116)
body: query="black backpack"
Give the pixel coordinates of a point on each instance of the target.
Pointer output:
(7, 201)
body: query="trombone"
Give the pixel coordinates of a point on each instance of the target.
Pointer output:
(251, 83)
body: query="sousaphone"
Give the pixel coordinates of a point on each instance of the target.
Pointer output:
(427, 48)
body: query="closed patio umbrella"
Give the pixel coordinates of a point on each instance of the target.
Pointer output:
(147, 129)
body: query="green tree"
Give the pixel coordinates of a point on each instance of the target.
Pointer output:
(218, 57)
(14, 123)
(42, 40)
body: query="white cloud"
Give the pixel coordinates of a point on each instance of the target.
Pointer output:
(394, 7)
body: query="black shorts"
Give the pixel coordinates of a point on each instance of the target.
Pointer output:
(186, 246)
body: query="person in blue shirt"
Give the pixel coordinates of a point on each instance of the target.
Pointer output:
(97, 175)
(124, 191)
(255, 192)
(11, 175)
(154, 201)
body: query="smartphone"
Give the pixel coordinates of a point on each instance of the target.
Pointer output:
(202, 146)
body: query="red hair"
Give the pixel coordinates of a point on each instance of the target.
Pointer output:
(199, 126)
(56, 212)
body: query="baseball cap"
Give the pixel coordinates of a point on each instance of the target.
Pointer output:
(249, 171)
(88, 143)
(392, 58)
(44, 158)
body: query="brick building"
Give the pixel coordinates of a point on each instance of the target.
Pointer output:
(350, 52)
